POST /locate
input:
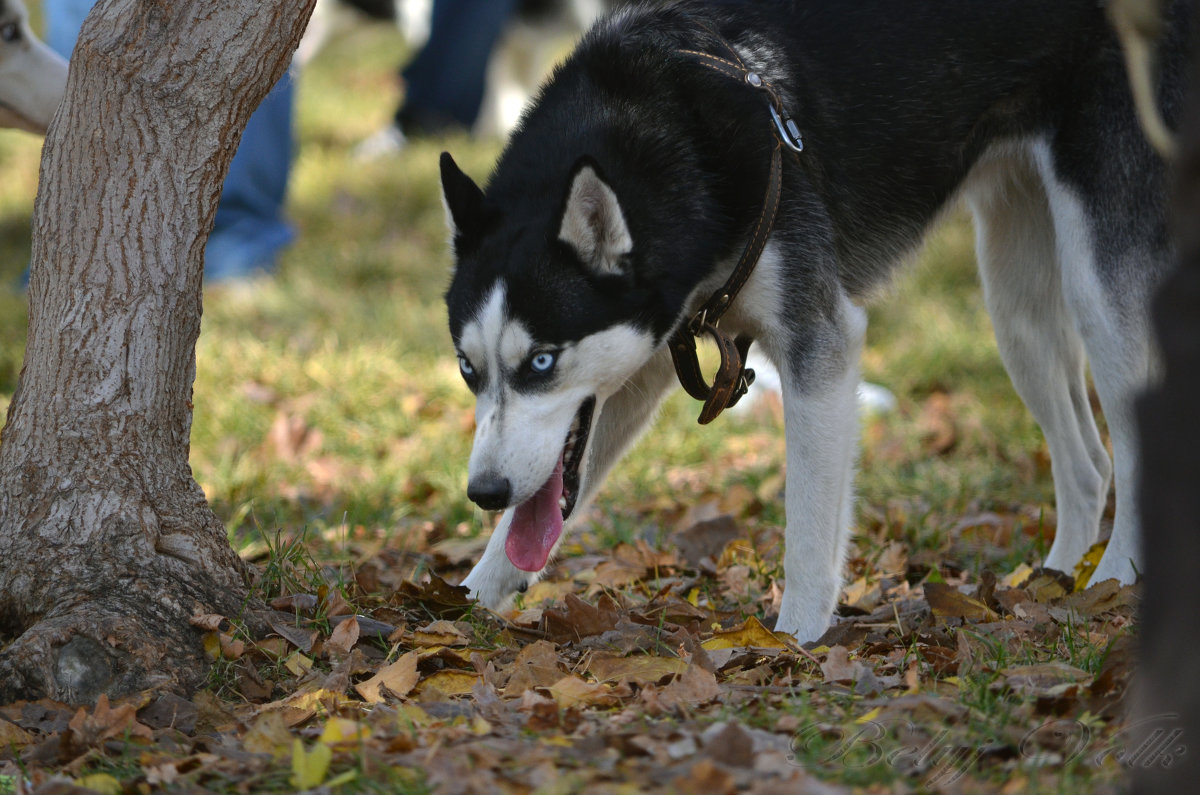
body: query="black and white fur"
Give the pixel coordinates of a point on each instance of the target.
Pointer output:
(32, 76)
(630, 187)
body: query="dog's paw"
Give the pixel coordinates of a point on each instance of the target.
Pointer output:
(496, 586)
(804, 621)
(1115, 567)
(803, 632)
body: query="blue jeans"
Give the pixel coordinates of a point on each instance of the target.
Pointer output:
(444, 84)
(249, 230)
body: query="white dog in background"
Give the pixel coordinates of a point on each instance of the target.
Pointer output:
(32, 76)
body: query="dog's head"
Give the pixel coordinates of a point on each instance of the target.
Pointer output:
(549, 318)
(32, 76)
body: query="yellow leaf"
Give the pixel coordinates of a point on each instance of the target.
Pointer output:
(1017, 577)
(13, 736)
(410, 715)
(309, 767)
(399, 678)
(1048, 586)
(819, 649)
(1087, 564)
(298, 664)
(571, 691)
(212, 645)
(751, 633)
(304, 703)
(275, 648)
(268, 735)
(547, 591)
(100, 782)
(480, 726)
(639, 668)
(341, 780)
(868, 717)
(440, 633)
(693, 597)
(444, 684)
(343, 731)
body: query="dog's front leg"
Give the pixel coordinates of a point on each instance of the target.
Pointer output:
(495, 579)
(821, 423)
(621, 419)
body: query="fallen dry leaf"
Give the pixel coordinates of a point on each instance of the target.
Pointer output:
(268, 734)
(693, 688)
(706, 777)
(445, 684)
(536, 666)
(105, 722)
(750, 634)
(946, 601)
(209, 622)
(301, 637)
(440, 633)
(305, 603)
(839, 668)
(396, 679)
(1044, 678)
(571, 691)
(437, 596)
(578, 619)
(637, 668)
(343, 638)
(13, 736)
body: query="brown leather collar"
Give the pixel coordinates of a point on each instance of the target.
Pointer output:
(733, 378)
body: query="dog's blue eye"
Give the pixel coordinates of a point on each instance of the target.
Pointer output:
(10, 32)
(465, 366)
(542, 363)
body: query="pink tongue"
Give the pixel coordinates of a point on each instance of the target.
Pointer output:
(536, 525)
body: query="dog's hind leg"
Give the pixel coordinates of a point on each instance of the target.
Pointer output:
(1036, 335)
(820, 381)
(1113, 247)
(622, 418)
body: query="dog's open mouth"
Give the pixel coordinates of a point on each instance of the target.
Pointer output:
(538, 522)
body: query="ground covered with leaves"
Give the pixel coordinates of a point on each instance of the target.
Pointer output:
(629, 669)
(331, 436)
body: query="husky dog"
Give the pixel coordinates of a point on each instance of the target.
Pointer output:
(32, 76)
(635, 180)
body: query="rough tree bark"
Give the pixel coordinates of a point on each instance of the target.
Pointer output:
(1165, 742)
(107, 544)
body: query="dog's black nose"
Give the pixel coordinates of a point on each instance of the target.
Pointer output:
(490, 492)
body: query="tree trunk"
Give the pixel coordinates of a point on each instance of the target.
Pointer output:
(1164, 744)
(107, 545)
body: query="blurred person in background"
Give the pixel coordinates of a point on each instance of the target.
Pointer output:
(249, 230)
(445, 83)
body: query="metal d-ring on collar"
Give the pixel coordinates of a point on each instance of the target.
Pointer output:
(733, 378)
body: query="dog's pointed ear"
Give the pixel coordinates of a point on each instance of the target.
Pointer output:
(593, 223)
(463, 201)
